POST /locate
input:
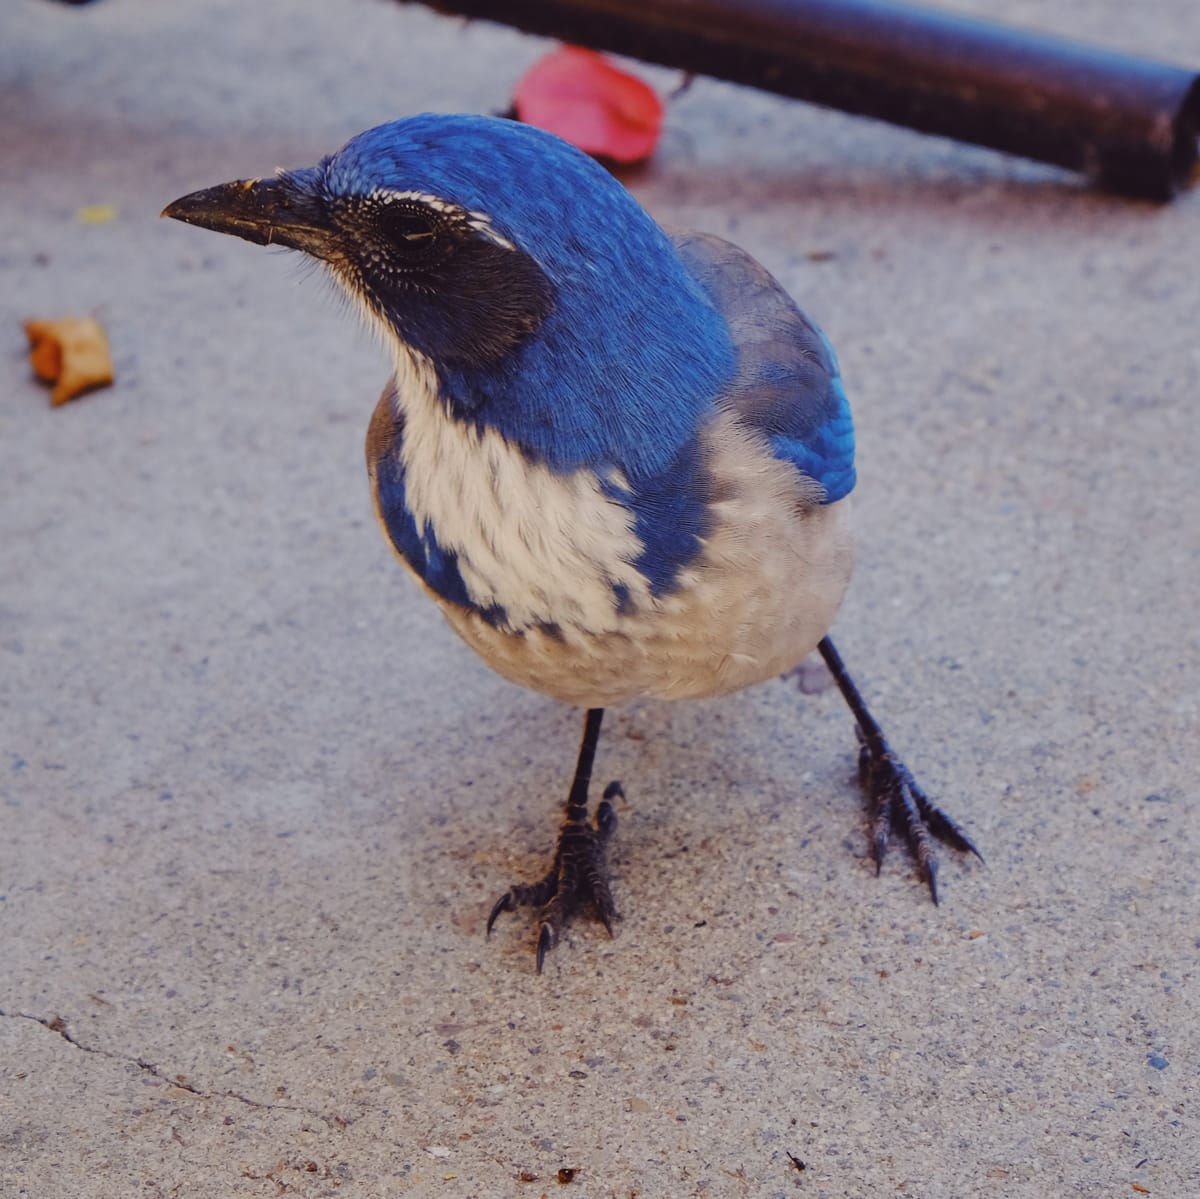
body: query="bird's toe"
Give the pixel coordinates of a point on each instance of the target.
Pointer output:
(578, 878)
(897, 806)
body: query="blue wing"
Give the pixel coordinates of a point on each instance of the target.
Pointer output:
(788, 386)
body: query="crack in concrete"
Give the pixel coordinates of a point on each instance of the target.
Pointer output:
(57, 1024)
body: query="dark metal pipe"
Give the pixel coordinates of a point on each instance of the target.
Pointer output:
(1130, 123)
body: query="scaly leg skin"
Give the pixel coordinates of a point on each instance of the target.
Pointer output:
(579, 873)
(895, 803)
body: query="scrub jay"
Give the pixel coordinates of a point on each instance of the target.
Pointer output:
(616, 458)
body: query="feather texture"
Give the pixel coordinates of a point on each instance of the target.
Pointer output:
(787, 384)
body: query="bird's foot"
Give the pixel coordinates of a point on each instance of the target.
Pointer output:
(897, 805)
(578, 876)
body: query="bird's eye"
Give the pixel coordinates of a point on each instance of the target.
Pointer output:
(414, 235)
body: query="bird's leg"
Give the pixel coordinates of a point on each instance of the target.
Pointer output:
(895, 803)
(578, 874)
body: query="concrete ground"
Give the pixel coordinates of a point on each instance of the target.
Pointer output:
(257, 799)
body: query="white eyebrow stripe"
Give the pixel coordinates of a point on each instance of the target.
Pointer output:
(482, 224)
(387, 196)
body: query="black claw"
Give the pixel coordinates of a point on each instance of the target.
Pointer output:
(578, 878)
(503, 904)
(896, 805)
(894, 801)
(545, 942)
(945, 829)
(931, 872)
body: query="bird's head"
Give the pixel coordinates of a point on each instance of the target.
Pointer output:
(535, 286)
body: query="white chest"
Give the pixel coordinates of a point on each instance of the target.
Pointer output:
(550, 549)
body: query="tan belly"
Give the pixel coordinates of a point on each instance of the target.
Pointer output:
(754, 603)
(757, 601)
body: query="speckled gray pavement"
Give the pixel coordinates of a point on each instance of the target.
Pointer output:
(257, 799)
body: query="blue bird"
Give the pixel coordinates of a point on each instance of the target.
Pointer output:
(617, 459)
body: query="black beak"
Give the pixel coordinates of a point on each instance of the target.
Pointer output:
(284, 210)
